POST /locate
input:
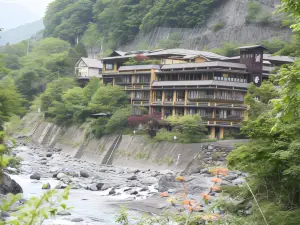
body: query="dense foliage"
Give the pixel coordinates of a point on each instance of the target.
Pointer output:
(117, 22)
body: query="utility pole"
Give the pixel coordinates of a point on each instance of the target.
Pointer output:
(28, 46)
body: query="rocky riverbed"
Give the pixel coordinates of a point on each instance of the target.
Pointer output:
(98, 191)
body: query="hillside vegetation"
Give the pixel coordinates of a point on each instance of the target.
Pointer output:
(116, 22)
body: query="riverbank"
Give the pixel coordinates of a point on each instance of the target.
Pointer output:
(99, 191)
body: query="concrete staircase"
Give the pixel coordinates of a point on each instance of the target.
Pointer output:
(108, 159)
(45, 137)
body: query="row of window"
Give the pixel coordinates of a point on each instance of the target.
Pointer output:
(138, 79)
(226, 95)
(197, 94)
(219, 113)
(241, 78)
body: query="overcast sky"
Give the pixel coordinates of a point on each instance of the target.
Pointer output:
(38, 7)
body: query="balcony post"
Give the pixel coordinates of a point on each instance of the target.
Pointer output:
(221, 132)
(212, 132)
(185, 97)
(174, 97)
(163, 97)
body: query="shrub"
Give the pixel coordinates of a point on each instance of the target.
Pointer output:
(254, 8)
(218, 26)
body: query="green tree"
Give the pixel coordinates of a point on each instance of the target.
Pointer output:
(54, 91)
(69, 110)
(189, 126)
(108, 99)
(10, 101)
(119, 120)
(258, 98)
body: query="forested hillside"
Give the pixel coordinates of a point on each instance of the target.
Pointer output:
(117, 22)
(144, 24)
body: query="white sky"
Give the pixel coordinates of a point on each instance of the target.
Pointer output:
(36, 6)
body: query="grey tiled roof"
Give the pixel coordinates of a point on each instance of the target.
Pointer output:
(204, 65)
(270, 57)
(186, 53)
(199, 83)
(279, 58)
(252, 46)
(139, 67)
(94, 63)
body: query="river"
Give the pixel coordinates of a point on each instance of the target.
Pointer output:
(93, 207)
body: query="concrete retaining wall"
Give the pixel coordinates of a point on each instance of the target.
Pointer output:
(133, 151)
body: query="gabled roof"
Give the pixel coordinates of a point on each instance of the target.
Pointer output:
(187, 54)
(270, 57)
(280, 58)
(252, 47)
(182, 53)
(93, 63)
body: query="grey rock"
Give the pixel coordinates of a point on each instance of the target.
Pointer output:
(5, 214)
(64, 213)
(54, 169)
(210, 147)
(132, 178)
(9, 185)
(194, 170)
(60, 185)
(145, 189)
(35, 176)
(60, 176)
(77, 220)
(46, 186)
(106, 186)
(134, 193)
(99, 186)
(166, 182)
(102, 170)
(230, 177)
(48, 154)
(84, 174)
(204, 171)
(238, 181)
(66, 180)
(93, 187)
(43, 162)
(112, 192)
(149, 181)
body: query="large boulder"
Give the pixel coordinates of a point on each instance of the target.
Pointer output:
(84, 174)
(167, 182)
(35, 176)
(9, 185)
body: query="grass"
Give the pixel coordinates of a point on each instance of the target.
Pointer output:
(142, 155)
(166, 160)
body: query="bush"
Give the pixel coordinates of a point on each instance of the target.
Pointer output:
(264, 18)
(254, 8)
(218, 26)
(227, 49)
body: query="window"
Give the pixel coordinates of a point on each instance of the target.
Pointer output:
(169, 96)
(109, 66)
(180, 96)
(126, 79)
(158, 95)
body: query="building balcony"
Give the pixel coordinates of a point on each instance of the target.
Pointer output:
(181, 102)
(140, 103)
(166, 102)
(140, 99)
(212, 97)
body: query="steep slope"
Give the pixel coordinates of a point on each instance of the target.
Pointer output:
(21, 33)
(227, 23)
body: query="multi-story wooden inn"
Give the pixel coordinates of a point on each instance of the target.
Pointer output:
(193, 82)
